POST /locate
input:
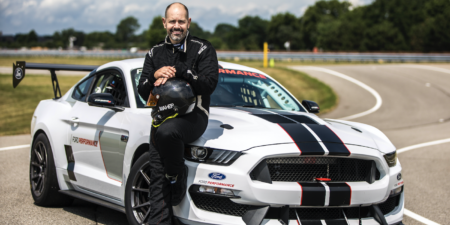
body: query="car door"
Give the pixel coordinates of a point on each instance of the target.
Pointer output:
(98, 141)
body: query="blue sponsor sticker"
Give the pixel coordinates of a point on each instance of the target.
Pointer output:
(217, 176)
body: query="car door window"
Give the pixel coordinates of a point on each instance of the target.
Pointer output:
(112, 82)
(135, 76)
(81, 90)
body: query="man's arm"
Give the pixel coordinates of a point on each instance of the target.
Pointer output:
(147, 78)
(204, 78)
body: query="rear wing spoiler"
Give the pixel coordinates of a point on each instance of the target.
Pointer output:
(20, 67)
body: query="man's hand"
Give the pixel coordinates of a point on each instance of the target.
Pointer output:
(165, 72)
(160, 81)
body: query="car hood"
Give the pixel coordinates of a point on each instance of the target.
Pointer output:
(242, 128)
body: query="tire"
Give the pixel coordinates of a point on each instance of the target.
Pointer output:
(137, 191)
(43, 181)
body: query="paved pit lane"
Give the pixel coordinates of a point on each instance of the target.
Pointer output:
(415, 109)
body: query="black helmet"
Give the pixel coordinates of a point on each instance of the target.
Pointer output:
(174, 97)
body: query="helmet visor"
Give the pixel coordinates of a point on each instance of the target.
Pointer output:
(152, 100)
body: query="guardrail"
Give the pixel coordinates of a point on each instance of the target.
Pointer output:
(235, 55)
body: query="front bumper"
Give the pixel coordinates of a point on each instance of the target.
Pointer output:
(210, 210)
(392, 210)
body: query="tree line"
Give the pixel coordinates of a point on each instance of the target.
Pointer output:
(332, 25)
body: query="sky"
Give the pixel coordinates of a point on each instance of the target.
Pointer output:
(48, 16)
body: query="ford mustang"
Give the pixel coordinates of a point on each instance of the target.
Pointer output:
(265, 158)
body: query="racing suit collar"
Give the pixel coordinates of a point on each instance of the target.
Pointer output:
(167, 41)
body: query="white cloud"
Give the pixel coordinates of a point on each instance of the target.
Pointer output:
(29, 3)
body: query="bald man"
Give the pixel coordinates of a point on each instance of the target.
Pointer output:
(193, 59)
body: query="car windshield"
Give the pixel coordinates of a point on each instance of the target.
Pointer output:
(249, 89)
(237, 88)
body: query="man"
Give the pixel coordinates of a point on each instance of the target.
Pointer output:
(194, 60)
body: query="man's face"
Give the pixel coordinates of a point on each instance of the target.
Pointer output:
(176, 23)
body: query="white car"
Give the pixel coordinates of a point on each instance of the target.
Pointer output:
(269, 159)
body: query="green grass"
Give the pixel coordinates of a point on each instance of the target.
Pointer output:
(17, 105)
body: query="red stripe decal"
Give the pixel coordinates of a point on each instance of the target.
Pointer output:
(301, 190)
(350, 202)
(341, 141)
(291, 139)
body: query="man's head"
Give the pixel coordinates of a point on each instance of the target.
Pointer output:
(176, 21)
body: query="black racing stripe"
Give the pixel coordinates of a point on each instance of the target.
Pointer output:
(300, 119)
(305, 141)
(310, 222)
(336, 149)
(272, 114)
(324, 133)
(336, 222)
(274, 118)
(330, 139)
(313, 194)
(311, 148)
(340, 194)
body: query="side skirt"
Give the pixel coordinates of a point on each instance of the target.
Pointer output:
(76, 194)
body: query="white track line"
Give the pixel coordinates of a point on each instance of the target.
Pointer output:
(377, 96)
(419, 218)
(405, 149)
(428, 68)
(14, 147)
(423, 145)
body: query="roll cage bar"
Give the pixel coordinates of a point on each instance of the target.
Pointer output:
(20, 67)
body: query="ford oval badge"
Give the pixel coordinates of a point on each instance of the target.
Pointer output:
(217, 176)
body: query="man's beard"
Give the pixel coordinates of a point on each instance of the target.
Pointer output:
(175, 37)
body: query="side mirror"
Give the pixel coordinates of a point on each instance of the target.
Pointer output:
(105, 100)
(311, 106)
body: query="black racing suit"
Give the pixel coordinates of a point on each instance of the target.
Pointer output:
(196, 62)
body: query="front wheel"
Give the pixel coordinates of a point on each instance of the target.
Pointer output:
(43, 181)
(137, 202)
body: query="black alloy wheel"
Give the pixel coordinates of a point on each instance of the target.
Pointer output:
(43, 181)
(137, 202)
(38, 167)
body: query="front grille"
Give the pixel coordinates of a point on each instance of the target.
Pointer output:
(303, 169)
(228, 207)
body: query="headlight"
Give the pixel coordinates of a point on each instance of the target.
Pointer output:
(212, 191)
(210, 155)
(391, 158)
(215, 190)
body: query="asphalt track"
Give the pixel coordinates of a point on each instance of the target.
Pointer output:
(415, 108)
